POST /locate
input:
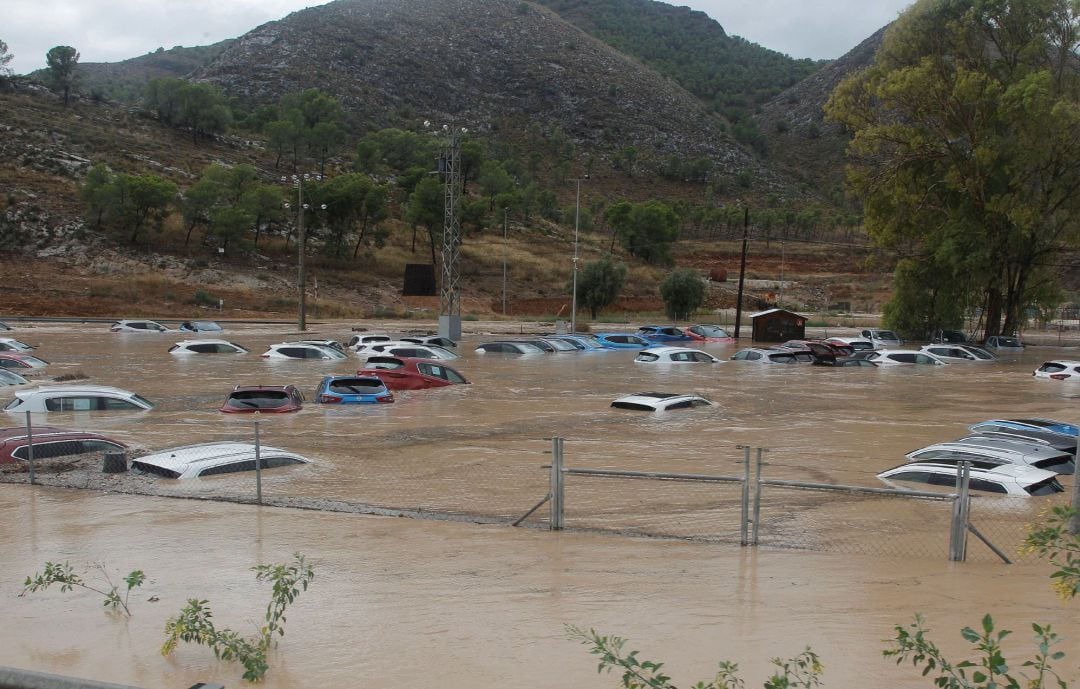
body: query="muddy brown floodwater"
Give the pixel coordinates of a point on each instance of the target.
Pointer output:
(400, 602)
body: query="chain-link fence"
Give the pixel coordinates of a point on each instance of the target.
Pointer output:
(509, 481)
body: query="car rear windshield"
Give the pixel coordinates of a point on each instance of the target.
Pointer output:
(647, 356)
(1045, 487)
(258, 399)
(632, 405)
(153, 469)
(355, 386)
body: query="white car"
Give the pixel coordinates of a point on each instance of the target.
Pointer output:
(127, 326)
(301, 350)
(206, 459)
(660, 401)
(674, 355)
(956, 353)
(8, 377)
(772, 356)
(438, 341)
(76, 398)
(882, 339)
(1004, 342)
(1059, 370)
(207, 347)
(406, 349)
(1007, 479)
(10, 344)
(986, 452)
(356, 341)
(900, 357)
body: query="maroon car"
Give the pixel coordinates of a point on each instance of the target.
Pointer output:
(266, 399)
(406, 373)
(20, 361)
(50, 441)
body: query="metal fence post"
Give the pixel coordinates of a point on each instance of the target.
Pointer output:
(744, 525)
(30, 447)
(958, 530)
(557, 478)
(757, 497)
(258, 466)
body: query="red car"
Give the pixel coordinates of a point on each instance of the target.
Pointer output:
(50, 441)
(266, 399)
(406, 373)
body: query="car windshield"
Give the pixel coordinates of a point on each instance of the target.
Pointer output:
(258, 399)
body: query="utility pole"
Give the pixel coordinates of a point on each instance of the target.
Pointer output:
(742, 269)
(505, 211)
(577, 222)
(450, 298)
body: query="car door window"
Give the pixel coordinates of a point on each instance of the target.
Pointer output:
(113, 403)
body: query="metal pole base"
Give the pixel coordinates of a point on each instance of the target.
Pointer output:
(450, 327)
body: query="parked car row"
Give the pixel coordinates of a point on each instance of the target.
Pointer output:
(1005, 456)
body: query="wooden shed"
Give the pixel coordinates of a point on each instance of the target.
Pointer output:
(778, 325)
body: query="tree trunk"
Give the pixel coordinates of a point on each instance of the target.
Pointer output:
(993, 312)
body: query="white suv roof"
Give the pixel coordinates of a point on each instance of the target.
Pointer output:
(310, 350)
(660, 401)
(204, 459)
(994, 451)
(75, 398)
(1008, 479)
(674, 355)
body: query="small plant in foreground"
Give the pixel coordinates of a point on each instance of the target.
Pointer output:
(992, 669)
(804, 670)
(65, 575)
(1061, 548)
(194, 623)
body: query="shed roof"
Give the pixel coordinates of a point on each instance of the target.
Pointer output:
(765, 313)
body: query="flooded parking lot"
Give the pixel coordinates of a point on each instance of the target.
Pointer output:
(484, 605)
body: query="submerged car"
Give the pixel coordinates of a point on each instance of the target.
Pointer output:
(10, 344)
(50, 441)
(9, 377)
(401, 373)
(406, 349)
(1007, 479)
(128, 326)
(357, 341)
(267, 399)
(674, 355)
(882, 339)
(207, 459)
(900, 357)
(11, 360)
(663, 333)
(955, 353)
(983, 452)
(207, 347)
(200, 327)
(709, 333)
(1060, 369)
(1004, 342)
(1059, 428)
(438, 341)
(508, 347)
(623, 341)
(77, 398)
(857, 344)
(772, 356)
(660, 401)
(301, 350)
(356, 389)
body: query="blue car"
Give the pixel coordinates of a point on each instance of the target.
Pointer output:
(352, 390)
(663, 333)
(1039, 425)
(585, 343)
(623, 341)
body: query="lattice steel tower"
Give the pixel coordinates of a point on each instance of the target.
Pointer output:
(449, 297)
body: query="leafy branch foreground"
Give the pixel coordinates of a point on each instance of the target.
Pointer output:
(194, 624)
(64, 574)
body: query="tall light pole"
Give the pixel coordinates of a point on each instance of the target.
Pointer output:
(505, 211)
(298, 184)
(577, 223)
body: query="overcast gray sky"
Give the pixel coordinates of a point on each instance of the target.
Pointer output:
(112, 30)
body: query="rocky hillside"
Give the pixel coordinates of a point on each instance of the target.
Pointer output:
(492, 65)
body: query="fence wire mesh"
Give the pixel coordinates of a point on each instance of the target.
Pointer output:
(499, 480)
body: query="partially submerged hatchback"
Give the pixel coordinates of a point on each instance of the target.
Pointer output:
(956, 353)
(709, 333)
(21, 361)
(8, 377)
(509, 347)
(131, 326)
(353, 390)
(403, 373)
(901, 357)
(49, 442)
(10, 344)
(267, 399)
(200, 327)
(1005, 343)
(663, 333)
(77, 398)
(984, 452)
(301, 350)
(1007, 479)
(881, 338)
(623, 341)
(208, 459)
(1060, 369)
(404, 349)
(674, 355)
(772, 356)
(207, 347)
(660, 401)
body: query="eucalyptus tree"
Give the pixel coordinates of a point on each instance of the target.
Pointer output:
(966, 153)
